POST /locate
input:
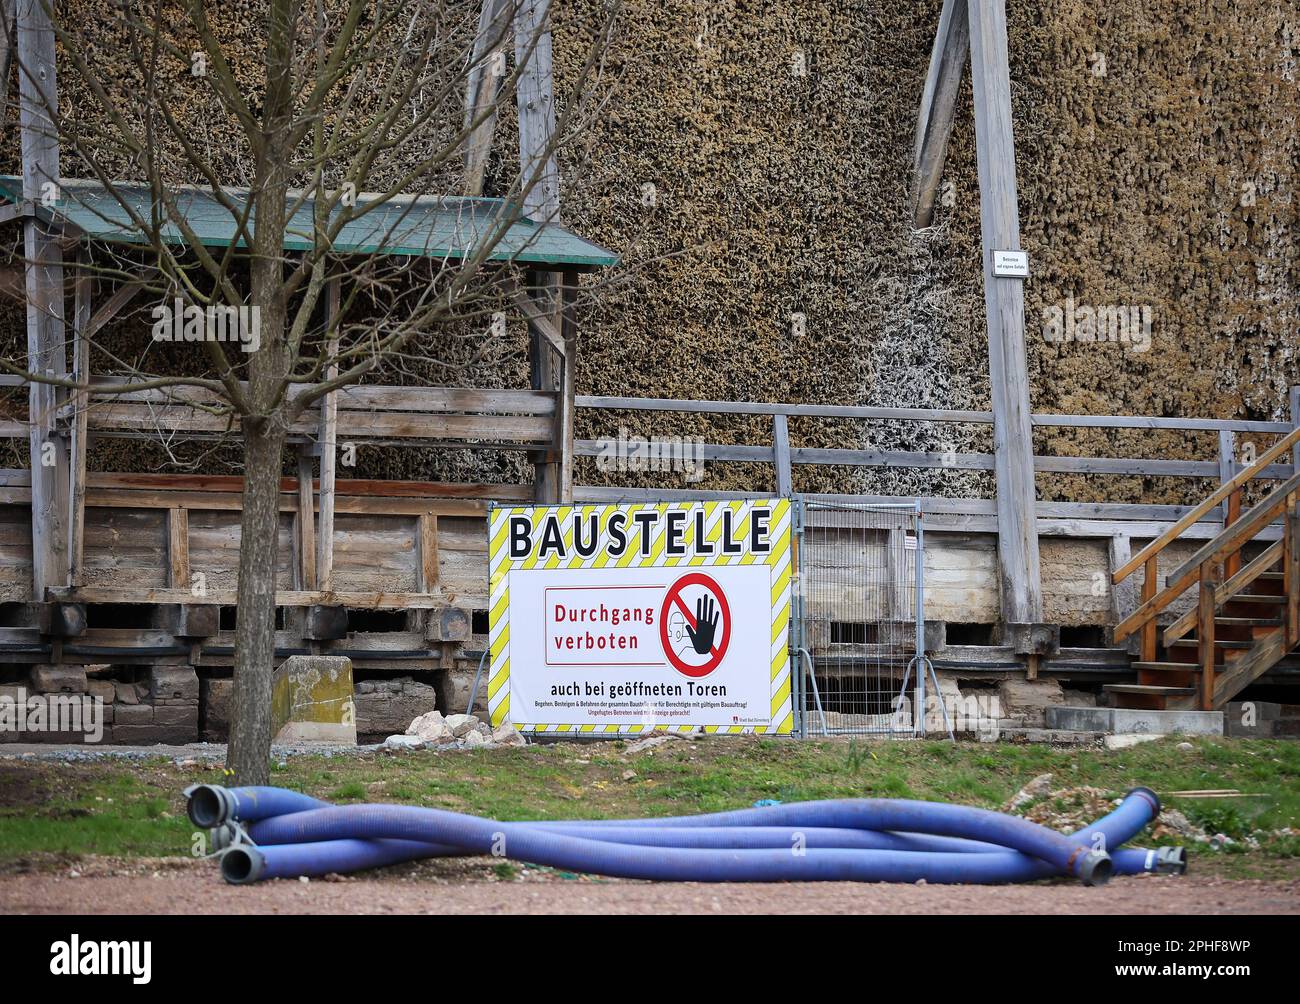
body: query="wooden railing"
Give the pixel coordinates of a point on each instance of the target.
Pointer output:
(1217, 567)
(974, 514)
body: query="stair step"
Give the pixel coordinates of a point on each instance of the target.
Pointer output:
(1256, 598)
(1248, 621)
(1169, 667)
(1218, 643)
(1147, 689)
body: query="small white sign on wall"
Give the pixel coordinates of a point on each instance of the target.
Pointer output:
(1011, 264)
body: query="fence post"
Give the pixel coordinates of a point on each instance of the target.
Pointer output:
(1295, 421)
(1231, 507)
(781, 455)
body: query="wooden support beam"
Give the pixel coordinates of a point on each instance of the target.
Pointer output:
(565, 410)
(535, 99)
(178, 548)
(7, 45)
(1291, 577)
(306, 523)
(1295, 422)
(1210, 578)
(121, 296)
(1021, 588)
(329, 424)
(781, 455)
(938, 108)
(546, 367)
(482, 88)
(1150, 587)
(46, 348)
(82, 286)
(428, 566)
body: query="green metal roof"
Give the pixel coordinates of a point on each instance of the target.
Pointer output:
(427, 226)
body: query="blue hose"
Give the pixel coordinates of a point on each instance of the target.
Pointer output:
(856, 839)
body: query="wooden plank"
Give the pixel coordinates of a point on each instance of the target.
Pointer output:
(1150, 422)
(428, 552)
(329, 436)
(1240, 672)
(482, 86)
(938, 108)
(607, 403)
(1295, 422)
(111, 307)
(545, 363)
(1210, 578)
(781, 455)
(306, 520)
(77, 447)
(228, 597)
(1022, 595)
(1122, 597)
(38, 110)
(178, 549)
(534, 97)
(1202, 509)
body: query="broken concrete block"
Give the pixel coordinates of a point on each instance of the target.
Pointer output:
(312, 700)
(1028, 699)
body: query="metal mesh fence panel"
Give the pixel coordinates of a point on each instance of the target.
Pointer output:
(859, 623)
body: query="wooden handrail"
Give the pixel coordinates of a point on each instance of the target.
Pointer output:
(1200, 511)
(1229, 541)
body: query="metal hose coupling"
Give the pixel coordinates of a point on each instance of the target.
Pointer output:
(209, 806)
(1095, 868)
(242, 864)
(1169, 860)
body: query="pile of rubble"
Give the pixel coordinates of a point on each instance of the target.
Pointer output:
(432, 729)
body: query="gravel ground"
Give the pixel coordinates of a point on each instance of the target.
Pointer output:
(182, 887)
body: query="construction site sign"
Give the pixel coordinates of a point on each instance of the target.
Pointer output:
(627, 618)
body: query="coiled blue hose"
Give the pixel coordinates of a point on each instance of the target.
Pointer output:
(870, 840)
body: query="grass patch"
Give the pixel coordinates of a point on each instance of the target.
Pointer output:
(136, 809)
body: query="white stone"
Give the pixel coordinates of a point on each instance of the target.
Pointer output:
(1125, 740)
(403, 743)
(474, 738)
(430, 727)
(507, 735)
(461, 724)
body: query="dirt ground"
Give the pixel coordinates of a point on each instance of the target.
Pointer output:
(169, 886)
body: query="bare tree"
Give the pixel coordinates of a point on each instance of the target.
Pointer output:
(353, 112)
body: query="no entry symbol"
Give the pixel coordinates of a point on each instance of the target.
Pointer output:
(695, 625)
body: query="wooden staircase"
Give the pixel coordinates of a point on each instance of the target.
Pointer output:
(1244, 618)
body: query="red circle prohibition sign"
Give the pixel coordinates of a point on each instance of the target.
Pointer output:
(674, 598)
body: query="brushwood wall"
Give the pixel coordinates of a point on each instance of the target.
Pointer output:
(753, 165)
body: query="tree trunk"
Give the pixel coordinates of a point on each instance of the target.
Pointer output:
(250, 725)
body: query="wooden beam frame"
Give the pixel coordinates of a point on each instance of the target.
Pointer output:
(535, 100)
(329, 425)
(79, 400)
(481, 91)
(1021, 587)
(46, 346)
(938, 109)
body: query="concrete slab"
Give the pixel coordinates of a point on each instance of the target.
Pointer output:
(1079, 719)
(1162, 723)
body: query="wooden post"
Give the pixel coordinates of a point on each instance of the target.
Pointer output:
(427, 525)
(1231, 508)
(306, 523)
(1150, 586)
(178, 548)
(534, 96)
(565, 404)
(79, 420)
(46, 348)
(481, 91)
(1210, 579)
(781, 456)
(328, 436)
(545, 373)
(6, 52)
(1291, 576)
(1295, 421)
(1022, 598)
(938, 107)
